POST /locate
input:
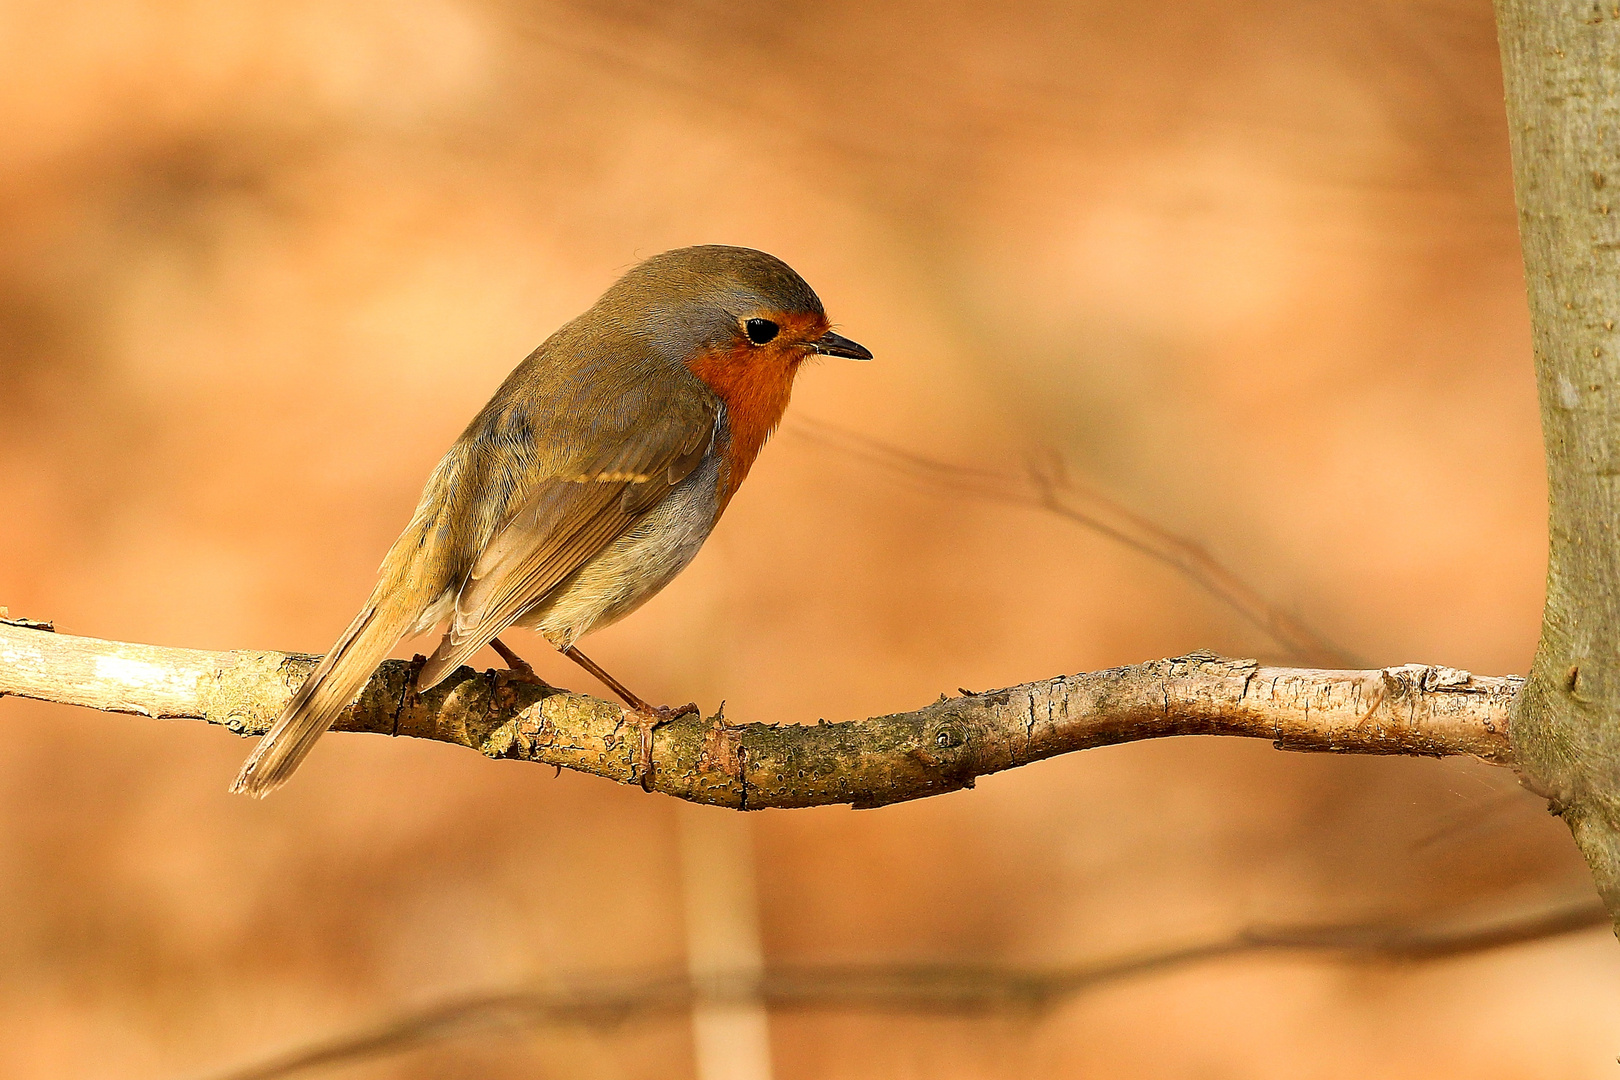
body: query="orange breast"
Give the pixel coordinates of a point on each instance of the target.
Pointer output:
(755, 385)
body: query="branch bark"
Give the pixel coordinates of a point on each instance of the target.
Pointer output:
(945, 746)
(1561, 70)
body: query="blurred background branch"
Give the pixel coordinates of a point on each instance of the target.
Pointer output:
(952, 989)
(1047, 485)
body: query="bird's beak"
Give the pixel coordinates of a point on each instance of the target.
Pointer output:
(831, 344)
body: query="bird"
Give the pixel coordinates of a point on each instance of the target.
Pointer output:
(585, 485)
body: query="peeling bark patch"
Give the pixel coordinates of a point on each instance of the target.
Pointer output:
(131, 673)
(720, 751)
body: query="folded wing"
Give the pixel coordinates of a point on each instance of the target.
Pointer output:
(563, 521)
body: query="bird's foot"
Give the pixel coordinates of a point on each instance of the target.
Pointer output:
(649, 719)
(518, 668)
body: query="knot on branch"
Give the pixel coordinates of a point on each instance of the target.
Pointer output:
(1408, 679)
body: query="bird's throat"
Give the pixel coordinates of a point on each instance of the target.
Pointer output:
(755, 390)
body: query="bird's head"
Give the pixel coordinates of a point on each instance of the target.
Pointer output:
(741, 321)
(715, 306)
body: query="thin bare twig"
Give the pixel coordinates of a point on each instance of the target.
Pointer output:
(607, 1001)
(1046, 485)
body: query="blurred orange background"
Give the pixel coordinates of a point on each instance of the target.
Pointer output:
(1250, 267)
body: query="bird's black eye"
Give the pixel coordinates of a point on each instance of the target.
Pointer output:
(761, 330)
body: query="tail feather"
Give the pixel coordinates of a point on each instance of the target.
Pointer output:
(452, 654)
(416, 572)
(330, 689)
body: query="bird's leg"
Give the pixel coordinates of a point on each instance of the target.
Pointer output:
(651, 717)
(518, 666)
(609, 681)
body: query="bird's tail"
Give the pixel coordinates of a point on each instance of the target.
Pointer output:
(415, 572)
(330, 689)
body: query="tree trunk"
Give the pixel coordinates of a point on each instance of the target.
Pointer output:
(1561, 69)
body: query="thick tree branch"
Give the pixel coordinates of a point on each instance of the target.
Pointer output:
(1414, 709)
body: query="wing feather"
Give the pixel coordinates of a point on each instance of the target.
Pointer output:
(561, 523)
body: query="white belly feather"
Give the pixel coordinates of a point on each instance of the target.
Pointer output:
(635, 566)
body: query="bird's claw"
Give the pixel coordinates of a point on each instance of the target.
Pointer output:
(517, 668)
(524, 674)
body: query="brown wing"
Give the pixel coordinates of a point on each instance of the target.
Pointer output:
(561, 522)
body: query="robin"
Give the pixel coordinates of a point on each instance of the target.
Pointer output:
(587, 482)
